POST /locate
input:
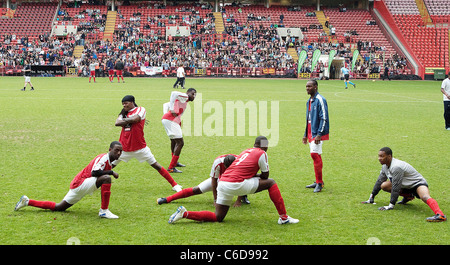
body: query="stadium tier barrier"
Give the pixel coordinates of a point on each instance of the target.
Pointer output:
(209, 72)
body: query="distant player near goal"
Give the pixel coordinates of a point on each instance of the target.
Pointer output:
(26, 74)
(401, 179)
(95, 175)
(92, 67)
(220, 164)
(119, 66)
(239, 179)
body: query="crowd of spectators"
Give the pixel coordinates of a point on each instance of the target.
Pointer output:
(248, 45)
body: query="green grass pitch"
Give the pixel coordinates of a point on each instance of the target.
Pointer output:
(48, 135)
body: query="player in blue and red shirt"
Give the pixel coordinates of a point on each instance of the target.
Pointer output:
(317, 130)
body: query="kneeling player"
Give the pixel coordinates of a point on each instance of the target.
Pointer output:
(240, 179)
(400, 178)
(93, 176)
(219, 166)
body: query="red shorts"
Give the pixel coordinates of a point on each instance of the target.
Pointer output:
(118, 72)
(111, 72)
(92, 73)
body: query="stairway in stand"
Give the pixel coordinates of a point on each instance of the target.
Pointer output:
(110, 25)
(293, 52)
(77, 51)
(220, 27)
(424, 12)
(322, 19)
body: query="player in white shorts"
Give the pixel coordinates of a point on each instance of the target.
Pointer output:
(172, 124)
(132, 121)
(95, 175)
(26, 74)
(219, 166)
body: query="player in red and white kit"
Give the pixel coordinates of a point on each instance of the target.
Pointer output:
(219, 166)
(132, 121)
(96, 174)
(239, 179)
(172, 124)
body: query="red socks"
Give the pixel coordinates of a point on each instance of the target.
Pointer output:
(275, 196)
(163, 172)
(202, 216)
(318, 165)
(181, 194)
(174, 161)
(105, 194)
(42, 204)
(434, 206)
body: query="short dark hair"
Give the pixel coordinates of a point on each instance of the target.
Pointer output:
(261, 141)
(314, 82)
(114, 143)
(191, 89)
(228, 160)
(387, 150)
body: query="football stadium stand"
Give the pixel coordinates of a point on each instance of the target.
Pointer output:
(411, 37)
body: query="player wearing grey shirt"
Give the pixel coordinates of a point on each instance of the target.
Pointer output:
(400, 178)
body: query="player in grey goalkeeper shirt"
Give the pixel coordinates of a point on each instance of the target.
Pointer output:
(400, 178)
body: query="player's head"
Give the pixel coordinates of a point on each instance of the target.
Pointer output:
(385, 155)
(262, 143)
(128, 102)
(311, 87)
(115, 150)
(191, 92)
(228, 160)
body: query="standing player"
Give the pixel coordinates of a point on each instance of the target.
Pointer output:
(26, 73)
(95, 175)
(219, 166)
(445, 89)
(400, 178)
(119, 66)
(110, 67)
(317, 130)
(180, 76)
(172, 124)
(239, 179)
(92, 66)
(346, 73)
(132, 121)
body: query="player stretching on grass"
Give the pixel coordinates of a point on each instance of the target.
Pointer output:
(238, 180)
(132, 121)
(93, 176)
(401, 179)
(219, 166)
(171, 121)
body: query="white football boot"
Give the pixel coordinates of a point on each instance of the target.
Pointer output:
(22, 202)
(107, 214)
(288, 220)
(177, 215)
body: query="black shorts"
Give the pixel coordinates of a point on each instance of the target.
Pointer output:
(346, 77)
(413, 190)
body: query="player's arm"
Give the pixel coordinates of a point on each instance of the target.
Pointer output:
(99, 173)
(125, 121)
(397, 178)
(263, 163)
(376, 188)
(446, 94)
(214, 187)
